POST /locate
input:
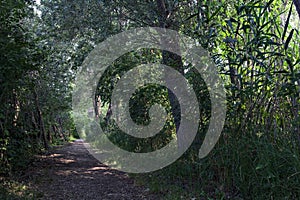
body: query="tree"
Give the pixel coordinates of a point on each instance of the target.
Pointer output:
(31, 88)
(297, 4)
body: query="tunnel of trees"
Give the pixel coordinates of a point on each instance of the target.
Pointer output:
(254, 44)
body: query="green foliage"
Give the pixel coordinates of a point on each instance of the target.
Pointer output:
(258, 56)
(13, 65)
(139, 105)
(255, 45)
(11, 189)
(244, 168)
(35, 96)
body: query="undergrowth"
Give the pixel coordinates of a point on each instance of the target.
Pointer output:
(249, 167)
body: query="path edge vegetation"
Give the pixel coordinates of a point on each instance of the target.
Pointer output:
(255, 45)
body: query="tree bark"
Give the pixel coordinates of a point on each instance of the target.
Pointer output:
(62, 130)
(41, 120)
(97, 106)
(172, 60)
(108, 114)
(16, 108)
(297, 5)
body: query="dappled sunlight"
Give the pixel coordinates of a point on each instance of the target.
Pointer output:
(97, 168)
(64, 172)
(105, 173)
(14, 189)
(66, 161)
(71, 172)
(55, 155)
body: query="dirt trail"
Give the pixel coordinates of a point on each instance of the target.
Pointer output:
(70, 172)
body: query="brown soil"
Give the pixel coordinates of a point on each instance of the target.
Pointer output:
(70, 172)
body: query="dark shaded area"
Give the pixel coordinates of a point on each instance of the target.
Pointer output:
(70, 172)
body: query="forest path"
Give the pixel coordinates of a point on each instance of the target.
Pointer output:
(70, 172)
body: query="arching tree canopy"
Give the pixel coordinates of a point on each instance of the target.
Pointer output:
(254, 44)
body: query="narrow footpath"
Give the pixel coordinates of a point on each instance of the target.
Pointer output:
(70, 172)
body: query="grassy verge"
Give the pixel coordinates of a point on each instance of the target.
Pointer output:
(248, 167)
(11, 189)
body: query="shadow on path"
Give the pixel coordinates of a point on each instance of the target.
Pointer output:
(70, 172)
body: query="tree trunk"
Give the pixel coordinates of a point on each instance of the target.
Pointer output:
(108, 114)
(297, 5)
(62, 130)
(41, 120)
(16, 108)
(172, 60)
(49, 135)
(97, 106)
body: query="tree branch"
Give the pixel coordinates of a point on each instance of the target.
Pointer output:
(297, 4)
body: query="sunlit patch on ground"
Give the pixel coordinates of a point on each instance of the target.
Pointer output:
(70, 172)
